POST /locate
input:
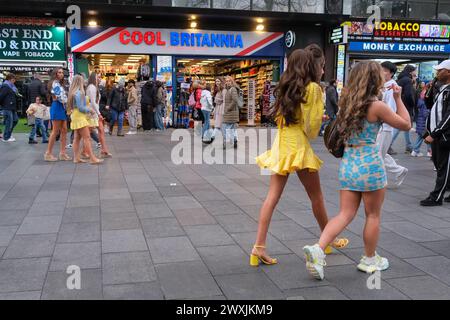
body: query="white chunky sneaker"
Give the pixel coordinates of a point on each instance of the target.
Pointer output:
(315, 261)
(375, 263)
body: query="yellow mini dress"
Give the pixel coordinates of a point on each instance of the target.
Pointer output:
(291, 150)
(79, 119)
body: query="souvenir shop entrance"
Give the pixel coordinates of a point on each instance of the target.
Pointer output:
(177, 56)
(256, 77)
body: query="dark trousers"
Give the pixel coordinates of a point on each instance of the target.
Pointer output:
(440, 157)
(147, 117)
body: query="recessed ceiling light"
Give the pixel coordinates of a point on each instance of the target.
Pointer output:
(92, 23)
(259, 20)
(193, 25)
(48, 13)
(318, 24)
(138, 17)
(260, 27)
(92, 12)
(193, 17)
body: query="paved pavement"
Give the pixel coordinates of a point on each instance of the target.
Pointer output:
(137, 235)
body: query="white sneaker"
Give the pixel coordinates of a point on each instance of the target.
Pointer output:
(398, 182)
(69, 146)
(131, 133)
(12, 139)
(429, 155)
(99, 145)
(315, 261)
(370, 265)
(416, 154)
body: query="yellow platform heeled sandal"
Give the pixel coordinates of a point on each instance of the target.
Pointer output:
(256, 259)
(339, 243)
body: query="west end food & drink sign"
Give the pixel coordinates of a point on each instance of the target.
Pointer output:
(23, 43)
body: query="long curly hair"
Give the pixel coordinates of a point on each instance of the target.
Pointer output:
(363, 88)
(290, 93)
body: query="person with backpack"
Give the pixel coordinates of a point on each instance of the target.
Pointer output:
(118, 104)
(231, 113)
(148, 103)
(207, 107)
(438, 135)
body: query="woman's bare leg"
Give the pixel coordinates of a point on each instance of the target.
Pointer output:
(56, 128)
(277, 184)
(63, 138)
(76, 146)
(373, 202)
(86, 136)
(350, 202)
(311, 183)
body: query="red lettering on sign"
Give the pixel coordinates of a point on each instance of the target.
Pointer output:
(159, 42)
(122, 36)
(149, 38)
(137, 37)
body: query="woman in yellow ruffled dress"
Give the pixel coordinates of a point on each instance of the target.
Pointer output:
(298, 111)
(80, 114)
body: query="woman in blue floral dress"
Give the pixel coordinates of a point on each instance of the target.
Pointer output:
(362, 175)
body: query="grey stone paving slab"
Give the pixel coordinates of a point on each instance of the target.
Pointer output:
(51, 196)
(254, 211)
(422, 288)
(208, 235)
(249, 286)
(116, 206)
(210, 195)
(114, 194)
(230, 259)
(174, 249)
(186, 280)
(43, 209)
(40, 225)
(247, 240)
(182, 203)
(287, 230)
(424, 220)
(147, 197)
(83, 201)
(316, 293)
(442, 231)
(194, 216)
(81, 214)
(31, 246)
(153, 210)
(2, 250)
(12, 217)
(6, 235)
(79, 232)
(18, 203)
(290, 273)
(402, 247)
(397, 267)
(437, 267)
(237, 223)
(173, 191)
(123, 241)
(137, 291)
(86, 255)
(162, 228)
(26, 295)
(353, 284)
(221, 207)
(23, 274)
(120, 221)
(127, 267)
(55, 287)
(413, 231)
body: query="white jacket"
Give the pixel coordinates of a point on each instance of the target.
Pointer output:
(206, 101)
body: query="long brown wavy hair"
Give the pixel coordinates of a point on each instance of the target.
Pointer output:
(302, 68)
(364, 86)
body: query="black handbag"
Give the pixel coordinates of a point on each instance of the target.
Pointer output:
(332, 139)
(196, 115)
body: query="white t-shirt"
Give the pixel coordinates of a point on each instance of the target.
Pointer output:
(206, 101)
(388, 98)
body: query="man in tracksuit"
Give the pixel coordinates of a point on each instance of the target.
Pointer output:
(438, 126)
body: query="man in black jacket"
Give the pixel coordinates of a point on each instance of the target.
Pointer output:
(331, 104)
(148, 104)
(406, 81)
(438, 127)
(8, 103)
(118, 104)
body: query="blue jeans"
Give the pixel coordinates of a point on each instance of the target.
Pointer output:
(325, 123)
(229, 131)
(206, 125)
(116, 115)
(408, 142)
(158, 117)
(418, 144)
(38, 123)
(10, 120)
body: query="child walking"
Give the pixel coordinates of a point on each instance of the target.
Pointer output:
(41, 113)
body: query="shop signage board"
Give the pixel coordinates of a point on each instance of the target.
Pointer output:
(26, 68)
(31, 43)
(417, 48)
(340, 72)
(251, 102)
(122, 40)
(339, 35)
